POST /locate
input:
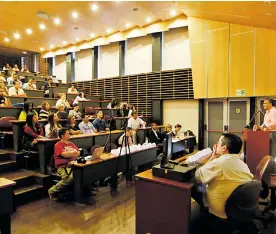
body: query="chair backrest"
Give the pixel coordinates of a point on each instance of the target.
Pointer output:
(5, 123)
(90, 110)
(113, 146)
(263, 173)
(242, 204)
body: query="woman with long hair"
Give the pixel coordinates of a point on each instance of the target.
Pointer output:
(45, 110)
(52, 128)
(63, 101)
(4, 101)
(32, 131)
(71, 125)
(27, 109)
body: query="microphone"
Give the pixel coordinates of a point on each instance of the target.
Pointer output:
(262, 112)
(253, 117)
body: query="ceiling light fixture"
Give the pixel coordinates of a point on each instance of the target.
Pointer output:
(108, 30)
(64, 42)
(51, 46)
(57, 21)
(24, 52)
(16, 36)
(29, 31)
(173, 13)
(77, 39)
(127, 25)
(75, 15)
(148, 19)
(41, 49)
(42, 26)
(92, 35)
(94, 7)
(6, 39)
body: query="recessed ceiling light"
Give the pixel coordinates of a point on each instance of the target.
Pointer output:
(77, 39)
(94, 7)
(64, 42)
(51, 46)
(41, 49)
(127, 25)
(173, 12)
(6, 39)
(92, 35)
(108, 30)
(24, 52)
(16, 35)
(57, 21)
(148, 19)
(42, 26)
(29, 31)
(75, 14)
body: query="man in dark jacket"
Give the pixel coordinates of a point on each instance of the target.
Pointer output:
(154, 135)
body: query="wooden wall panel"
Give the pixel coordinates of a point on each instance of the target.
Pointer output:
(265, 62)
(217, 62)
(241, 66)
(215, 25)
(198, 57)
(197, 29)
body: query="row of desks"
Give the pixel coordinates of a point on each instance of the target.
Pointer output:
(18, 125)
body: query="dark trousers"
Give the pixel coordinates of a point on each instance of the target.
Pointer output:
(5, 224)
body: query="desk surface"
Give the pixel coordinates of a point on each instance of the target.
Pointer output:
(147, 175)
(4, 183)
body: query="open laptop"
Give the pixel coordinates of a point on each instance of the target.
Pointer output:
(97, 153)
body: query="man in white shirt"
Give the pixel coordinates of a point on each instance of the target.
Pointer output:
(269, 118)
(134, 123)
(16, 91)
(221, 174)
(13, 78)
(72, 90)
(86, 126)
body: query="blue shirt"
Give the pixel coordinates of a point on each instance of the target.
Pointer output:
(99, 124)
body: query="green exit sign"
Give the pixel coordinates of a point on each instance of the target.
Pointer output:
(240, 92)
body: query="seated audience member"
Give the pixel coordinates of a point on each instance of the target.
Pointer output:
(75, 112)
(269, 118)
(46, 86)
(45, 110)
(113, 104)
(55, 80)
(134, 123)
(52, 128)
(13, 78)
(62, 114)
(86, 126)
(63, 101)
(72, 90)
(121, 140)
(27, 109)
(4, 101)
(16, 90)
(99, 123)
(221, 174)
(167, 129)
(154, 135)
(80, 97)
(30, 85)
(177, 129)
(123, 111)
(131, 108)
(71, 125)
(25, 69)
(2, 78)
(15, 68)
(7, 67)
(32, 131)
(64, 152)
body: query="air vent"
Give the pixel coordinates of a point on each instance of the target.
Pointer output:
(76, 28)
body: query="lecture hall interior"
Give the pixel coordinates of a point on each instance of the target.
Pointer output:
(137, 117)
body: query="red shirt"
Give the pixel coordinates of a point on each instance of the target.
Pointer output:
(61, 147)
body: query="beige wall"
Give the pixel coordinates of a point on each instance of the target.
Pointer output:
(184, 112)
(83, 65)
(60, 68)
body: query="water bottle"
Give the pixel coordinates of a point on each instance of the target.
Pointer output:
(147, 141)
